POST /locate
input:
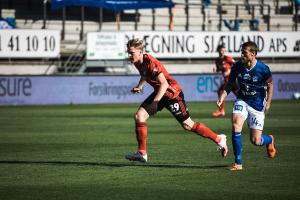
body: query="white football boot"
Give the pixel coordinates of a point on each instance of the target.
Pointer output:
(222, 146)
(136, 156)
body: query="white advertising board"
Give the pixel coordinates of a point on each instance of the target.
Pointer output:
(203, 44)
(18, 43)
(105, 46)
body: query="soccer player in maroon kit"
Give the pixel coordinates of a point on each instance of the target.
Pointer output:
(167, 94)
(223, 64)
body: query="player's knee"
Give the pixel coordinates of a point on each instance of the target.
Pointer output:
(139, 117)
(236, 124)
(186, 126)
(256, 141)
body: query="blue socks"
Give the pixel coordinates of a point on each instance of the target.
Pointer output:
(237, 147)
(265, 139)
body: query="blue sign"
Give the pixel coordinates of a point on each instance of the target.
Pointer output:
(115, 5)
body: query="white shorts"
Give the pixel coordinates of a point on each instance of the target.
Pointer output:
(255, 118)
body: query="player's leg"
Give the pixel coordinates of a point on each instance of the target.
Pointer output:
(237, 145)
(202, 130)
(239, 116)
(179, 110)
(222, 106)
(221, 111)
(257, 137)
(141, 117)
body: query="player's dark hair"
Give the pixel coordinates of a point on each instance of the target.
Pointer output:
(220, 46)
(251, 45)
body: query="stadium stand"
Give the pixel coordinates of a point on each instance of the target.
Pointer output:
(188, 15)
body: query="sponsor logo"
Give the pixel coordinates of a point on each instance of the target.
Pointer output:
(255, 79)
(246, 77)
(109, 89)
(286, 86)
(13, 87)
(238, 107)
(209, 83)
(255, 122)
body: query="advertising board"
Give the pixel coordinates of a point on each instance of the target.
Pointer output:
(51, 90)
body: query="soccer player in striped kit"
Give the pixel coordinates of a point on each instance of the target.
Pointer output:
(254, 97)
(167, 94)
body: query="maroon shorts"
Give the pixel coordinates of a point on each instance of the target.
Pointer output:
(175, 105)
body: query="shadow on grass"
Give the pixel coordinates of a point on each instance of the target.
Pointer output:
(103, 164)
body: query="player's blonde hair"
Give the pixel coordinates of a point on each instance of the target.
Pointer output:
(136, 43)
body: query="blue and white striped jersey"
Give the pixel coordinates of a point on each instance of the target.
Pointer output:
(252, 83)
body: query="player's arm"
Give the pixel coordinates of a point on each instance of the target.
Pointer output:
(140, 85)
(226, 73)
(161, 91)
(222, 98)
(162, 88)
(218, 68)
(215, 68)
(269, 94)
(230, 61)
(227, 88)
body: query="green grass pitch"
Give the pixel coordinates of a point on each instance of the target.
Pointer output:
(77, 152)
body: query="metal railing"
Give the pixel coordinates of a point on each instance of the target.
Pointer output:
(251, 8)
(76, 60)
(264, 11)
